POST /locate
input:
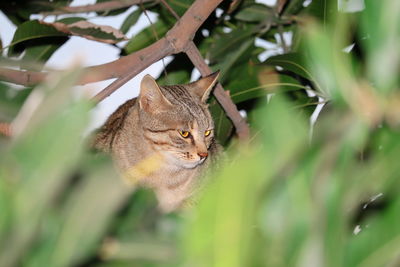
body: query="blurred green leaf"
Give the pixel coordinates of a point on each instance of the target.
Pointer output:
(324, 10)
(223, 231)
(88, 212)
(377, 245)
(11, 101)
(229, 43)
(49, 147)
(381, 37)
(293, 7)
(291, 127)
(255, 13)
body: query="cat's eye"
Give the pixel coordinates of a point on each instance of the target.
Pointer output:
(207, 133)
(184, 134)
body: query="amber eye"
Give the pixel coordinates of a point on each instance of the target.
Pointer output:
(207, 133)
(184, 134)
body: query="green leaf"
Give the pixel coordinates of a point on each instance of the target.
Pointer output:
(176, 77)
(292, 62)
(229, 43)
(40, 53)
(71, 20)
(277, 83)
(255, 13)
(223, 125)
(91, 31)
(324, 10)
(112, 12)
(291, 127)
(293, 7)
(232, 58)
(31, 30)
(380, 38)
(53, 130)
(130, 20)
(179, 6)
(89, 210)
(11, 101)
(378, 244)
(227, 213)
(147, 36)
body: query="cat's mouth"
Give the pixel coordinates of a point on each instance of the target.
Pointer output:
(185, 162)
(192, 164)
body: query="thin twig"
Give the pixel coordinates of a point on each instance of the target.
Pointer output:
(155, 35)
(279, 5)
(165, 4)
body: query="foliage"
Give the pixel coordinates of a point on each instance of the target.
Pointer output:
(292, 196)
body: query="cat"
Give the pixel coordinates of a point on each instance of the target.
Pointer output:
(164, 139)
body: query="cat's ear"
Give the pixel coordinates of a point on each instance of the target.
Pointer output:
(203, 87)
(151, 99)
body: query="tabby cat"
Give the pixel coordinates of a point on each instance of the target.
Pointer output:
(163, 139)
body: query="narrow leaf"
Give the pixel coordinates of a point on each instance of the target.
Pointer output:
(147, 36)
(91, 31)
(255, 13)
(130, 20)
(31, 30)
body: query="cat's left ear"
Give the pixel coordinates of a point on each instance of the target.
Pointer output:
(203, 87)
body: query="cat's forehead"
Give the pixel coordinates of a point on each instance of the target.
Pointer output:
(186, 109)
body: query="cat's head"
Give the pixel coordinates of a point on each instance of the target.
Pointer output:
(176, 120)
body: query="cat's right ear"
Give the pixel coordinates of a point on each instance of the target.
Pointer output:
(151, 99)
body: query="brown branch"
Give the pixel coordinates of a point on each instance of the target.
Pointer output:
(178, 39)
(280, 5)
(27, 78)
(138, 62)
(98, 7)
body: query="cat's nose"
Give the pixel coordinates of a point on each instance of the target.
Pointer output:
(202, 154)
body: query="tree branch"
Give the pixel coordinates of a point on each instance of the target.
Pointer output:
(26, 78)
(178, 39)
(138, 62)
(103, 6)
